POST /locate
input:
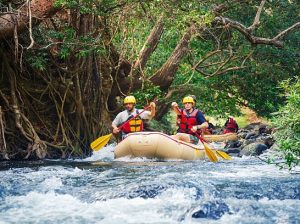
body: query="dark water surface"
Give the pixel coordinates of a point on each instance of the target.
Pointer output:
(102, 190)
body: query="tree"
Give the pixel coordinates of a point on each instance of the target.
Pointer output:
(64, 89)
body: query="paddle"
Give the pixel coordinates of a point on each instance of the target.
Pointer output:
(103, 140)
(221, 154)
(209, 152)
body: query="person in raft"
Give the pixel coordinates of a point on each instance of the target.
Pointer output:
(130, 111)
(210, 130)
(189, 119)
(230, 126)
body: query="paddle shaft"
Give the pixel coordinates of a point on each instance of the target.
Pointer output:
(135, 116)
(199, 137)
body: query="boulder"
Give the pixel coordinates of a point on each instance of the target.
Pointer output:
(233, 144)
(247, 142)
(274, 147)
(212, 210)
(253, 149)
(254, 126)
(262, 129)
(266, 139)
(242, 134)
(252, 135)
(233, 150)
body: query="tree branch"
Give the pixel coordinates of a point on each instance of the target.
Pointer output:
(222, 64)
(253, 39)
(150, 45)
(256, 21)
(287, 31)
(165, 75)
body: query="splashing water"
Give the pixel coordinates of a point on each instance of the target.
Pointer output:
(100, 189)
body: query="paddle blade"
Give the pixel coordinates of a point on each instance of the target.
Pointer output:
(100, 142)
(223, 155)
(210, 154)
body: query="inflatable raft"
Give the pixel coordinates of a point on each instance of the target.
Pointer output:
(221, 138)
(158, 145)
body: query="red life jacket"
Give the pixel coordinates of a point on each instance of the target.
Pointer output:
(231, 126)
(134, 125)
(187, 121)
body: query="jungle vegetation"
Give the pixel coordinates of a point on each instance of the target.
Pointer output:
(66, 65)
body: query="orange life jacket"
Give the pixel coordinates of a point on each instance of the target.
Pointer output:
(135, 125)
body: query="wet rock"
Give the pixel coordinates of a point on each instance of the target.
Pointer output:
(247, 142)
(146, 191)
(253, 149)
(233, 144)
(252, 135)
(274, 147)
(266, 139)
(211, 210)
(242, 134)
(233, 150)
(262, 129)
(254, 126)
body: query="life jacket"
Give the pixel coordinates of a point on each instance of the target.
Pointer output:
(231, 126)
(134, 125)
(187, 121)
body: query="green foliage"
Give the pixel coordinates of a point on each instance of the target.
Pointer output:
(38, 61)
(287, 121)
(129, 24)
(149, 92)
(166, 125)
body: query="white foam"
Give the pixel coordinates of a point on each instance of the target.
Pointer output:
(53, 207)
(238, 171)
(51, 183)
(104, 154)
(261, 211)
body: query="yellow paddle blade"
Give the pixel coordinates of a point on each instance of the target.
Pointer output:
(100, 142)
(223, 155)
(210, 154)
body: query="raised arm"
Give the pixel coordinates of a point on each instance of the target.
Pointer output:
(175, 108)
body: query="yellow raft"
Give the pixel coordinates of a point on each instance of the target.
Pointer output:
(158, 145)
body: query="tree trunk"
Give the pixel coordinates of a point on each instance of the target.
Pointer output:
(40, 9)
(165, 75)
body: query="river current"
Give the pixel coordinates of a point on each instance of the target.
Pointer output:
(100, 189)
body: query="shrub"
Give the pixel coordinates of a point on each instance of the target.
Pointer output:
(287, 123)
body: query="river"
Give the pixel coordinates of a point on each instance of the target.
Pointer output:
(100, 189)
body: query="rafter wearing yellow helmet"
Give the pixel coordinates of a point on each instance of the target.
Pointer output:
(189, 119)
(134, 125)
(129, 99)
(188, 99)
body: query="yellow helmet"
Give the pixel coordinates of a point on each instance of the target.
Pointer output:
(188, 99)
(129, 99)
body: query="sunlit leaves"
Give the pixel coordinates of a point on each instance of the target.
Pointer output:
(287, 121)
